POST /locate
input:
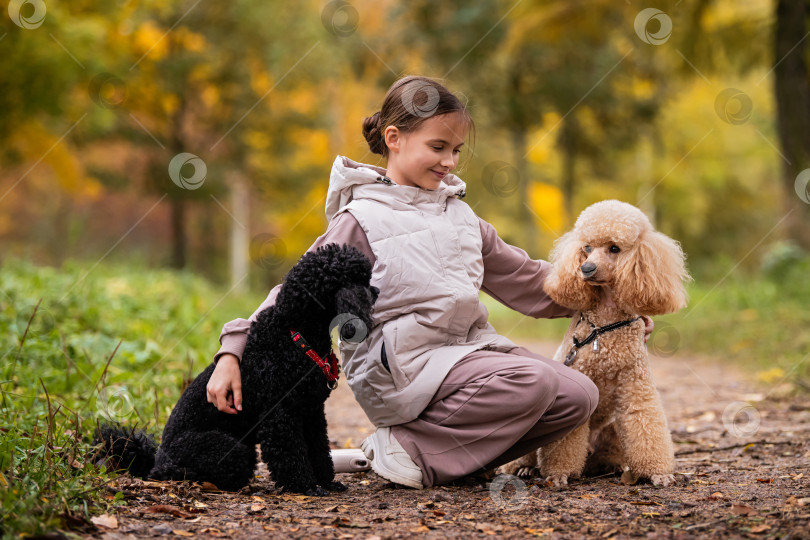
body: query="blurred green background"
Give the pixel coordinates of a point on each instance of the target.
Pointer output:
(116, 278)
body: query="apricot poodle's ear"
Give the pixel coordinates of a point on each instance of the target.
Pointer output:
(565, 284)
(651, 279)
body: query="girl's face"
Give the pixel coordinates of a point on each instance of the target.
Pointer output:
(423, 157)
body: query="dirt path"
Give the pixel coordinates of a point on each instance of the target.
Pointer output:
(742, 471)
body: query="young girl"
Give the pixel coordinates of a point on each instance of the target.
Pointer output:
(449, 396)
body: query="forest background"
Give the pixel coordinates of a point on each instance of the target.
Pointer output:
(164, 163)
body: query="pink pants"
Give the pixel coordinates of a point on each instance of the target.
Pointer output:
(493, 407)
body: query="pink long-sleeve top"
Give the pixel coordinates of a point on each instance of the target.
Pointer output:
(510, 276)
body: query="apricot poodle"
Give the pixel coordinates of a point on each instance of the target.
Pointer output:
(613, 267)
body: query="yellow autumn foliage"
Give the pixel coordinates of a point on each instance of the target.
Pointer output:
(149, 38)
(546, 202)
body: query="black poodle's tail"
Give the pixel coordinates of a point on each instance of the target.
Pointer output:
(131, 450)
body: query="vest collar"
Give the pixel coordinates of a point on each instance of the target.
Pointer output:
(352, 180)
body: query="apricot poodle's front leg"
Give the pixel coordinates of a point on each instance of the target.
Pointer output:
(523, 466)
(565, 458)
(647, 443)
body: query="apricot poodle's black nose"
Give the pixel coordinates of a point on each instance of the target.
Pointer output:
(588, 269)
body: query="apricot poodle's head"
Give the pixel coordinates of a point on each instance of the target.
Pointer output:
(614, 245)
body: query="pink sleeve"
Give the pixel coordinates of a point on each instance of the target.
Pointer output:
(343, 229)
(514, 279)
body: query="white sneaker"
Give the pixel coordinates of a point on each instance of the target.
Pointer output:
(389, 459)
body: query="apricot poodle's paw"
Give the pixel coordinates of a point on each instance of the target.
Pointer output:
(664, 480)
(335, 486)
(510, 468)
(527, 472)
(316, 491)
(557, 480)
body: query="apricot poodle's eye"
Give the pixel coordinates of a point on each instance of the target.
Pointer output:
(587, 249)
(615, 249)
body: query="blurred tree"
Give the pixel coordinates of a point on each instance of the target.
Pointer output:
(792, 86)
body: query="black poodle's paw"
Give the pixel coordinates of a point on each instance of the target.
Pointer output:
(336, 486)
(316, 491)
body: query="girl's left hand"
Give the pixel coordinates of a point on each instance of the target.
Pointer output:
(648, 327)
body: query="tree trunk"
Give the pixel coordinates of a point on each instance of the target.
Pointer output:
(792, 89)
(528, 229)
(240, 232)
(178, 232)
(568, 143)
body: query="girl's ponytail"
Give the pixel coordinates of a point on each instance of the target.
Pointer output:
(373, 134)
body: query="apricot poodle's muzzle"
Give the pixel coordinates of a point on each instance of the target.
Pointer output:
(588, 270)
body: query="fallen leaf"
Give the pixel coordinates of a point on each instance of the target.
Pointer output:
(420, 529)
(208, 486)
(213, 532)
(167, 509)
(716, 495)
(742, 510)
(760, 528)
(589, 496)
(539, 532)
(106, 520)
(180, 532)
(650, 514)
(765, 480)
(256, 508)
(152, 484)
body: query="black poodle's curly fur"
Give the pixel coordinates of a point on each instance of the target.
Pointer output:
(283, 390)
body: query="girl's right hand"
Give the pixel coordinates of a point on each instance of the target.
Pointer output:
(224, 388)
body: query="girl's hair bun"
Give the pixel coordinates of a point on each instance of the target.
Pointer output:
(373, 134)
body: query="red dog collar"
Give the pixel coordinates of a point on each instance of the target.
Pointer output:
(331, 368)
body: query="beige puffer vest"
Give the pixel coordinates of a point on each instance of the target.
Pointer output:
(429, 271)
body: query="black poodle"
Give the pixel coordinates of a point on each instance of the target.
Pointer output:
(288, 370)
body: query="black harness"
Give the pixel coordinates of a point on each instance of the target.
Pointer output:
(593, 337)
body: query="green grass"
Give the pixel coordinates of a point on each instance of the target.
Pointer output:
(116, 343)
(119, 342)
